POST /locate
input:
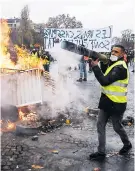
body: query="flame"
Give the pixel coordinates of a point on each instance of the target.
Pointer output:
(22, 115)
(24, 59)
(27, 117)
(4, 39)
(11, 126)
(7, 126)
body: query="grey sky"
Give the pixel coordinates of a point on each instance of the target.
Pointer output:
(92, 13)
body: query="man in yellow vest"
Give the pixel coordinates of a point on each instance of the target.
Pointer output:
(114, 81)
(34, 53)
(46, 57)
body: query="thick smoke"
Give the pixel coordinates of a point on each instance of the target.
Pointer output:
(68, 96)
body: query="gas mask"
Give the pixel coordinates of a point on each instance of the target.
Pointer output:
(113, 58)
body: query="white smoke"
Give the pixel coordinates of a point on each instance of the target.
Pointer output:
(67, 95)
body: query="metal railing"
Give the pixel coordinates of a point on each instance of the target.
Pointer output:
(21, 87)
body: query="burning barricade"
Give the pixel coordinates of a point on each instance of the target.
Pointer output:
(21, 75)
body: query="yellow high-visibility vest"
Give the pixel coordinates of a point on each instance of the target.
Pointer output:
(117, 91)
(34, 55)
(46, 62)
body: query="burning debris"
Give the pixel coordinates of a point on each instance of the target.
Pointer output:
(30, 123)
(13, 56)
(29, 117)
(11, 117)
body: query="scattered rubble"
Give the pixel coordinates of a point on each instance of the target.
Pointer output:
(37, 167)
(91, 111)
(55, 151)
(34, 138)
(96, 169)
(128, 121)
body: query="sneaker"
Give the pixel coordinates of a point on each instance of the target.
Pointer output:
(79, 80)
(125, 149)
(84, 79)
(96, 156)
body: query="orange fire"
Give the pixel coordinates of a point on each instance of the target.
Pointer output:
(24, 59)
(11, 126)
(4, 39)
(27, 117)
(22, 115)
(7, 126)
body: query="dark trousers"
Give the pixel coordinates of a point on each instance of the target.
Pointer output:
(46, 67)
(117, 126)
(90, 67)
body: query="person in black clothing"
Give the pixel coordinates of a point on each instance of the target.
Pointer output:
(90, 67)
(47, 57)
(133, 60)
(107, 105)
(130, 57)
